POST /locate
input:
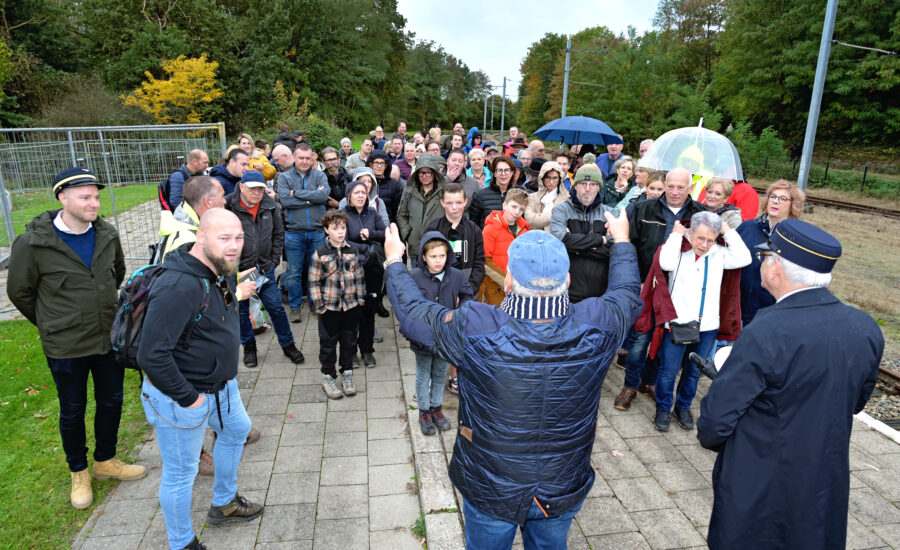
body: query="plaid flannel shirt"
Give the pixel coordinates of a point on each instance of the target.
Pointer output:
(336, 278)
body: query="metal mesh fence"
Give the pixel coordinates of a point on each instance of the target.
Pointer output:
(130, 160)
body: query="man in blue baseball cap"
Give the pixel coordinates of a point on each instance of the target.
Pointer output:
(530, 373)
(780, 411)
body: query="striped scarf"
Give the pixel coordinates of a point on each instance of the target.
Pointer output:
(526, 307)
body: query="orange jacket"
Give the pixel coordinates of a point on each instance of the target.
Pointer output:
(497, 239)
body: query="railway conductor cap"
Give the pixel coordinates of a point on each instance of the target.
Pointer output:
(74, 177)
(804, 244)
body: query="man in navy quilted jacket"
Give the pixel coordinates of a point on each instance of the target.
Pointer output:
(530, 373)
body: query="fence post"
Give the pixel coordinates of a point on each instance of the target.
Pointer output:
(72, 149)
(222, 139)
(6, 205)
(825, 177)
(109, 182)
(865, 173)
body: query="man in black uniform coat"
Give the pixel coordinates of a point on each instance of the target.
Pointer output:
(780, 411)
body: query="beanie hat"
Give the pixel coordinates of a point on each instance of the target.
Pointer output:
(538, 261)
(588, 172)
(590, 158)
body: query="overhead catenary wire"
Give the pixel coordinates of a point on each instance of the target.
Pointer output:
(879, 50)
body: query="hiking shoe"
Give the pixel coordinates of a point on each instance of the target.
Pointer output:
(661, 422)
(684, 418)
(626, 396)
(649, 391)
(295, 315)
(116, 469)
(381, 310)
(250, 354)
(239, 509)
(82, 494)
(195, 545)
(252, 436)
(207, 467)
(368, 360)
(440, 420)
(347, 383)
(330, 387)
(294, 354)
(453, 385)
(377, 337)
(426, 424)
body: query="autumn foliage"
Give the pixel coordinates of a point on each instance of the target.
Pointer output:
(191, 83)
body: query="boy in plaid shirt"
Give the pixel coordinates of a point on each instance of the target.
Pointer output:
(337, 287)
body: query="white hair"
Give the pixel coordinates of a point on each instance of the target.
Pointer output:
(519, 290)
(345, 140)
(708, 219)
(646, 142)
(798, 275)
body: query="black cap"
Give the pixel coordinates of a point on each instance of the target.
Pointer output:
(74, 177)
(804, 244)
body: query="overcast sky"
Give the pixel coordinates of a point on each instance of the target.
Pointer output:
(494, 37)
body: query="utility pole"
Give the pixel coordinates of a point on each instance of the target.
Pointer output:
(818, 86)
(503, 112)
(484, 125)
(566, 77)
(492, 109)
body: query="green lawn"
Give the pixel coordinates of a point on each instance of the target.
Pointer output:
(35, 492)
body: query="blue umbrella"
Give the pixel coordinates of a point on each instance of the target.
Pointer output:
(576, 130)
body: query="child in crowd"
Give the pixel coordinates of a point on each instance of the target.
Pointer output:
(338, 289)
(500, 228)
(448, 286)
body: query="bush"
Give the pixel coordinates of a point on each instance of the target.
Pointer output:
(320, 133)
(755, 150)
(86, 102)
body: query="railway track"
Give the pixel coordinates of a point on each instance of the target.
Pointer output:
(889, 381)
(853, 207)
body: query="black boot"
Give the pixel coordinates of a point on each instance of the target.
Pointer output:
(195, 545)
(381, 310)
(250, 354)
(292, 353)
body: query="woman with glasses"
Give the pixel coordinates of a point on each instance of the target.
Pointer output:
(782, 200)
(491, 197)
(694, 265)
(550, 193)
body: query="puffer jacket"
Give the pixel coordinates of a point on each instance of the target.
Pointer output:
(486, 201)
(583, 230)
(268, 171)
(529, 391)
(536, 214)
(417, 210)
(263, 236)
(72, 306)
(497, 239)
(228, 182)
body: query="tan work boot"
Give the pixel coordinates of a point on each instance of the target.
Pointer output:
(82, 494)
(116, 469)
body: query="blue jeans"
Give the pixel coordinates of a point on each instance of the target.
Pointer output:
(430, 373)
(179, 432)
(271, 300)
(300, 247)
(484, 532)
(639, 369)
(672, 359)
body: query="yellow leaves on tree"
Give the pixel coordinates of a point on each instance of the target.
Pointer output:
(191, 82)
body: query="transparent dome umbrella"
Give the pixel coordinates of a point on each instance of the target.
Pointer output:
(576, 130)
(703, 152)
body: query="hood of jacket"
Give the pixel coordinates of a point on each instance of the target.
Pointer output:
(427, 161)
(546, 167)
(431, 236)
(353, 185)
(181, 260)
(221, 170)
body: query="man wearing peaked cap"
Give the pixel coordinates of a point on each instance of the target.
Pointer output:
(64, 275)
(530, 373)
(780, 411)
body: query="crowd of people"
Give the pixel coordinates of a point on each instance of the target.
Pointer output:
(533, 270)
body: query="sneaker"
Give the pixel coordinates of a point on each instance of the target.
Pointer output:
(82, 494)
(330, 387)
(295, 315)
(684, 418)
(626, 396)
(440, 420)
(195, 545)
(368, 360)
(252, 436)
(453, 385)
(426, 424)
(649, 391)
(347, 383)
(377, 337)
(116, 469)
(355, 360)
(207, 466)
(661, 422)
(239, 509)
(292, 353)
(250, 354)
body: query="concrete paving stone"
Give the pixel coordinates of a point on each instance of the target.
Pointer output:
(385, 358)
(408, 381)
(268, 404)
(387, 428)
(679, 475)
(385, 389)
(155, 537)
(311, 393)
(294, 522)
(667, 528)
(247, 381)
(653, 449)
(607, 439)
(292, 545)
(625, 465)
(232, 536)
(642, 493)
(389, 451)
(633, 425)
(393, 511)
(601, 516)
(575, 539)
(344, 470)
(862, 459)
(619, 541)
(273, 369)
(889, 533)
(860, 537)
(341, 534)
(262, 451)
(600, 488)
(696, 505)
(886, 482)
(142, 488)
(254, 475)
(349, 421)
(384, 408)
(126, 517)
(435, 489)
(307, 377)
(343, 501)
(678, 436)
(345, 444)
(699, 457)
(355, 403)
(306, 458)
(872, 509)
(395, 539)
(407, 363)
(444, 531)
(306, 412)
(271, 387)
(602, 421)
(874, 442)
(150, 450)
(607, 407)
(890, 460)
(293, 488)
(855, 482)
(115, 542)
(269, 425)
(390, 479)
(383, 373)
(302, 433)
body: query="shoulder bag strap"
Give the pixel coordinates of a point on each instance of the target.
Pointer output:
(703, 292)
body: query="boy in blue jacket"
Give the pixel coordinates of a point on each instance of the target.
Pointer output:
(448, 286)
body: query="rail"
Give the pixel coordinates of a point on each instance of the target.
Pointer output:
(853, 207)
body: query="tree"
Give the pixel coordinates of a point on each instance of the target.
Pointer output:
(176, 100)
(537, 75)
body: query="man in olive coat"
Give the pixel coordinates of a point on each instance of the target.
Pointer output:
(64, 275)
(780, 411)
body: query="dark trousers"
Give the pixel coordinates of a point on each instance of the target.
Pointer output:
(374, 278)
(71, 377)
(338, 327)
(271, 300)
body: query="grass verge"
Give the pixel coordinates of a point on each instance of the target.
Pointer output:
(35, 490)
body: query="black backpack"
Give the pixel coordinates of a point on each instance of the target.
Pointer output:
(125, 335)
(164, 189)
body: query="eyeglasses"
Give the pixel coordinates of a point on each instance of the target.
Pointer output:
(780, 199)
(332, 159)
(378, 163)
(503, 171)
(222, 285)
(590, 184)
(761, 255)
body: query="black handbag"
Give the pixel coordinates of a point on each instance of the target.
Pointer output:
(683, 334)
